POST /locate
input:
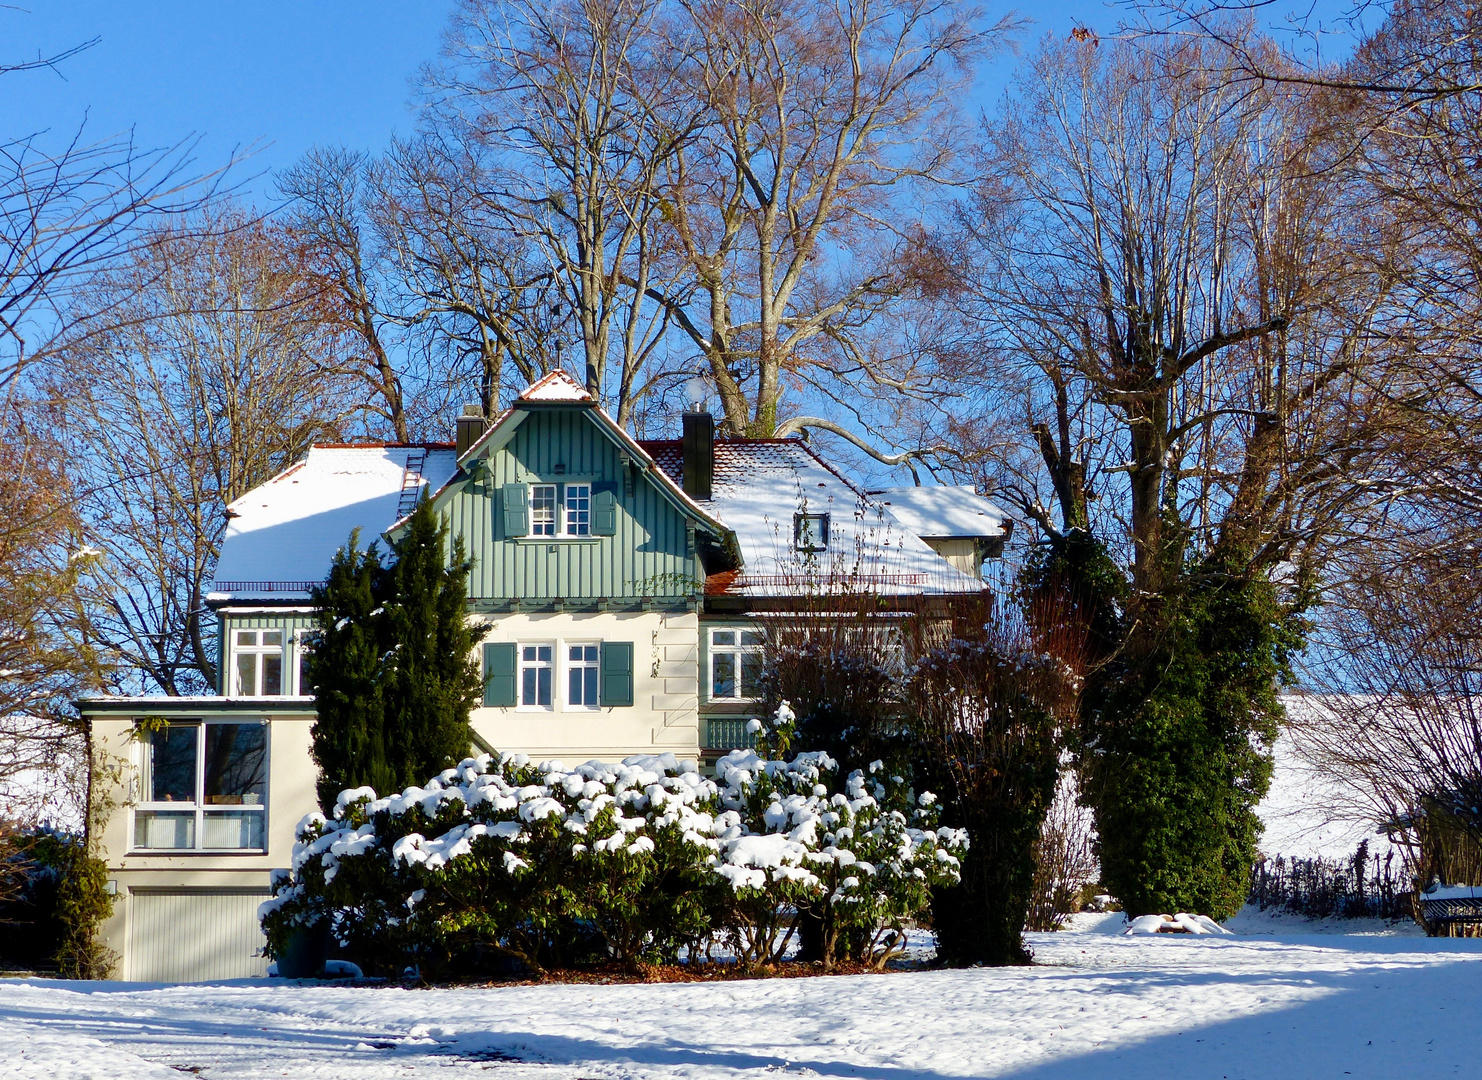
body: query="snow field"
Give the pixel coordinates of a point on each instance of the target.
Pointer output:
(1097, 1005)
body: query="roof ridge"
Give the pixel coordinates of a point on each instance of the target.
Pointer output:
(372, 444)
(556, 385)
(731, 440)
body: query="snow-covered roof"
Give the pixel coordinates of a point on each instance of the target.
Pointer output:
(555, 386)
(757, 487)
(941, 511)
(282, 535)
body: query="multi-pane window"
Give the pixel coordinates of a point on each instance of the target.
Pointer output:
(578, 509)
(257, 663)
(542, 509)
(536, 673)
(204, 788)
(810, 532)
(301, 652)
(581, 676)
(735, 664)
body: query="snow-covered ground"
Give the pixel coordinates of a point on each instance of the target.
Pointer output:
(1305, 813)
(1286, 1004)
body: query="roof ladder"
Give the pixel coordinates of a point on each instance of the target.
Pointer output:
(411, 481)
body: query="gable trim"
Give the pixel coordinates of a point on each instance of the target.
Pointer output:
(503, 429)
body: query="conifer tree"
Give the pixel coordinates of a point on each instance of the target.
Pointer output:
(392, 663)
(431, 677)
(344, 671)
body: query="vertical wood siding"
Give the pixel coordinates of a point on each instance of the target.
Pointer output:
(647, 556)
(191, 935)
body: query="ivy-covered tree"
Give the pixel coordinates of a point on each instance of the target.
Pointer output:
(1176, 720)
(1177, 755)
(391, 662)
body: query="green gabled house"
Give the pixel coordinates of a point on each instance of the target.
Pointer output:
(619, 589)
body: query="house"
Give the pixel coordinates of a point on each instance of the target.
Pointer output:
(618, 588)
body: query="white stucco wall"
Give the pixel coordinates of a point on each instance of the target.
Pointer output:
(202, 884)
(664, 716)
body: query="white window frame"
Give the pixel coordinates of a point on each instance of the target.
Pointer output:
(576, 520)
(594, 666)
(737, 650)
(522, 665)
(301, 652)
(255, 648)
(198, 805)
(537, 527)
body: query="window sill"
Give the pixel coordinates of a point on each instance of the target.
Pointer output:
(557, 539)
(213, 852)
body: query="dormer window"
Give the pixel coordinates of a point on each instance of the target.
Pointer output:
(257, 663)
(810, 532)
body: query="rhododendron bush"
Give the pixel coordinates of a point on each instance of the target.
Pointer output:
(502, 857)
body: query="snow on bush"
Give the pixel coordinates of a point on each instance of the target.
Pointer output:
(861, 855)
(517, 859)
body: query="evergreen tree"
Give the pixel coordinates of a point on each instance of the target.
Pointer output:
(344, 670)
(391, 662)
(431, 677)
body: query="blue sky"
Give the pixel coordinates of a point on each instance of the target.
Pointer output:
(281, 74)
(285, 74)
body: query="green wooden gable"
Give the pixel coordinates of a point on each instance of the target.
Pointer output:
(646, 537)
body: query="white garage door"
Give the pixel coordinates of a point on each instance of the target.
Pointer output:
(191, 935)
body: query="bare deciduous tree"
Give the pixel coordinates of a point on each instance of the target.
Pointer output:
(329, 215)
(472, 292)
(1165, 292)
(582, 109)
(66, 211)
(790, 209)
(45, 654)
(1398, 732)
(219, 370)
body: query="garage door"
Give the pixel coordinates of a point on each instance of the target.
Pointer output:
(191, 935)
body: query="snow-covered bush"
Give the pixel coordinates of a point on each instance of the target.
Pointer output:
(861, 855)
(508, 857)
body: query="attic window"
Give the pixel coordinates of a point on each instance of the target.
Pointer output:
(810, 532)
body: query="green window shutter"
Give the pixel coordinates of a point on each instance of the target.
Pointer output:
(617, 673)
(516, 499)
(604, 512)
(499, 674)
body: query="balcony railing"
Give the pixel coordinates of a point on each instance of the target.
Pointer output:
(727, 734)
(263, 586)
